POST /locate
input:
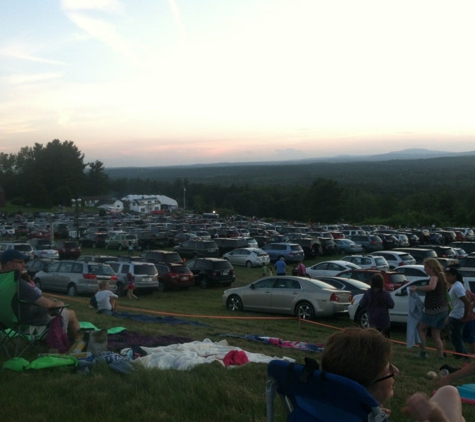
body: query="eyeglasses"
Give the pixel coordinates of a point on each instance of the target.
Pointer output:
(391, 375)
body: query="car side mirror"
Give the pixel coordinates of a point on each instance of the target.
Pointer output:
(252, 286)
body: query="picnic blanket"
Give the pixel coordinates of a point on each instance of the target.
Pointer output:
(117, 342)
(285, 344)
(150, 318)
(187, 355)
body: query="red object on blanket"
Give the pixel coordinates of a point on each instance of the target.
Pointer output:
(235, 357)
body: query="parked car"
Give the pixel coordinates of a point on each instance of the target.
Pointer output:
(145, 275)
(40, 243)
(419, 254)
(299, 296)
(74, 277)
(368, 261)
(460, 253)
(401, 305)
(291, 252)
(413, 272)
(443, 251)
(369, 243)
(248, 257)
(389, 240)
(347, 246)
(158, 256)
(94, 240)
(227, 244)
(174, 276)
(211, 271)
(397, 258)
(467, 262)
(329, 268)
(392, 279)
(37, 264)
(328, 245)
(23, 247)
(469, 247)
(121, 241)
(68, 249)
(251, 242)
(98, 258)
(311, 246)
(46, 253)
(196, 248)
(356, 287)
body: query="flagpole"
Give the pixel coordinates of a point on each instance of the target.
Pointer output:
(184, 199)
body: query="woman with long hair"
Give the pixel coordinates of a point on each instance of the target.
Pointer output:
(377, 302)
(436, 307)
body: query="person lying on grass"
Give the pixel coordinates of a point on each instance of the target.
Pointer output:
(364, 356)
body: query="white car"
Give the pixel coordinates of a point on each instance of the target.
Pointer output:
(397, 258)
(413, 272)
(373, 262)
(397, 314)
(330, 268)
(248, 257)
(46, 253)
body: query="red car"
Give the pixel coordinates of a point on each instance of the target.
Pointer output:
(68, 249)
(172, 276)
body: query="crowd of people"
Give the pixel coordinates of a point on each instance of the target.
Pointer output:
(363, 355)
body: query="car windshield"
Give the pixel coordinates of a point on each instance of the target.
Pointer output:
(145, 269)
(25, 248)
(222, 265)
(180, 270)
(100, 270)
(398, 278)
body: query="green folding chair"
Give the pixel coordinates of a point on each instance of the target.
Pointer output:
(15, 337)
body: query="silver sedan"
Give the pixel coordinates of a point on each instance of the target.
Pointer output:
(248, 257)
(299, 296)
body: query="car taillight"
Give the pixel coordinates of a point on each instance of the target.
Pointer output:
(374, 267)
(114, 277)
(334, 298)
(401, 264)
(89, 276)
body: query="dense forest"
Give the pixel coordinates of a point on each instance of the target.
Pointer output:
(397, 192)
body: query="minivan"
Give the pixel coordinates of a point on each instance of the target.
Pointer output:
(370, 243)
(145, 274)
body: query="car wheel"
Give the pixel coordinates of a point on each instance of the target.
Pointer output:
(362, 319)
(38, 283)
(72, 290)
(304, 310)
(249, 264)
(204, 282)
(234, 303)
(120, 246)
(161, 286)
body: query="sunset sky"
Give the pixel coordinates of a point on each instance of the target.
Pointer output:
(165, 82)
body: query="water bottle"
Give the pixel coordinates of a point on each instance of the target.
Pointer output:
(443, 372)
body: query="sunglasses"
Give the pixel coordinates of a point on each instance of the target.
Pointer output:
(391, 374)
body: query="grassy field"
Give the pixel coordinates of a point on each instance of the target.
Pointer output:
(208, 392)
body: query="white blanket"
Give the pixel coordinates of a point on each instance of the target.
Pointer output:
(187, 355)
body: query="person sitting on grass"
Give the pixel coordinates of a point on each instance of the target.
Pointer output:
(106, 300)
(364, 355)
(38, 310)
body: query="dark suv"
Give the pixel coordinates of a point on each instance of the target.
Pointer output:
(228, 244)
(173, 276)
(392, 279)
(211, 271)
(195, 248)
(158, 256)
(419, 254)
(370, 243)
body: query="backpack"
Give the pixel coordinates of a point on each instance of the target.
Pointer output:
(56, 338)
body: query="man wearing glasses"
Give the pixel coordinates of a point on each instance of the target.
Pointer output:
(38, 310)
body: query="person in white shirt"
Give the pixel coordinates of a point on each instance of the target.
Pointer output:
(460, 310)
(106, 300)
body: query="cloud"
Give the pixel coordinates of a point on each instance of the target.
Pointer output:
(111, 6)
(31, 78)
(17, 51)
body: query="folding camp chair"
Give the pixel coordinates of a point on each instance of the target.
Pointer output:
(14, 333)
(312, 395)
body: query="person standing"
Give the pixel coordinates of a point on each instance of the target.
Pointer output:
(131, 286)
(460, 310)
(265, 270)
(280, 266)
(301, 269)
(377, 302)
(436, 307)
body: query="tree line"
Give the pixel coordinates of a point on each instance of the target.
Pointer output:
(401, 193)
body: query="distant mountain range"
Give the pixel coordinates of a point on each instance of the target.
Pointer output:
(406, 154)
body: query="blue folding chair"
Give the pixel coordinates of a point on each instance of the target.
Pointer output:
(311, 395)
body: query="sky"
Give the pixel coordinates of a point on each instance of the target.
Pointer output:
(178, 82)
